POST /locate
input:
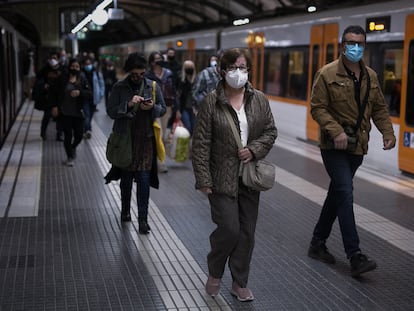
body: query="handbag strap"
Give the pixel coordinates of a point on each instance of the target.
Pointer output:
(233, 127)
(235, 133)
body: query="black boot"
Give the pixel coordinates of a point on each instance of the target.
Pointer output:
(360, 263)
(125, 214)
(143, 226)
(318, 250)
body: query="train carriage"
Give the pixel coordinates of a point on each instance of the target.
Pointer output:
(13, 48)
(287, 51)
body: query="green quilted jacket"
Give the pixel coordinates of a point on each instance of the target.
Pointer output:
(214, 149)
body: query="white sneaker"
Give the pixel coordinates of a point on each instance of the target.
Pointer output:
(69, 162)
(162, 168)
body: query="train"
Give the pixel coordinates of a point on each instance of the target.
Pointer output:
(287, 51)
(14, 48)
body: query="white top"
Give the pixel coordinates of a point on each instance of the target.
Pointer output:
(244, 128)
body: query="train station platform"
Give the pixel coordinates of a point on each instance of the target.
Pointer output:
(63, 247)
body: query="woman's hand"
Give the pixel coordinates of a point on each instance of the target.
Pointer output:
(245, 155)
(55, 112)
(206, 190)
(74, 93)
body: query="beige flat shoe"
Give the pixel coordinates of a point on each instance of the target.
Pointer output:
(241, 293)
(213, 286)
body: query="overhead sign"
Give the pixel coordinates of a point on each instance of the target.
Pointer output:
(69, 18)
(116, 14)
(408, 139)
(378, 24)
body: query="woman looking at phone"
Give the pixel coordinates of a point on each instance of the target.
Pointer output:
(131, 101)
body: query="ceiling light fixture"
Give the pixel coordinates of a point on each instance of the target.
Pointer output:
(99, 17)
(241, 21)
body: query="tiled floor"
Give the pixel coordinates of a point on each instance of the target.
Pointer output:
(63, 247)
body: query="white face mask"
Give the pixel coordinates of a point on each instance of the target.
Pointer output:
(236, 78)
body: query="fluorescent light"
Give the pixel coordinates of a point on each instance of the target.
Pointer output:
(241, 21)
(82, 23)
(103, 5)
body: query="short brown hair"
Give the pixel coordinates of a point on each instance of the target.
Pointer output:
(135, 60)
(356, 29)
(230, 56)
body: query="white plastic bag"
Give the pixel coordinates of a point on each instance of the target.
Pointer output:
(179, 147)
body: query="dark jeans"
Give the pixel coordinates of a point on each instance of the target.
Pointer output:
(341, 167)
(233, 239)
(143, 191)
(73, 132)
(47, 115)
(188, 119)
(88, 111)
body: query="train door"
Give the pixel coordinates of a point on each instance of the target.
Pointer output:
(256, 41)
(323, 49)
(191, 45)
(406, 139)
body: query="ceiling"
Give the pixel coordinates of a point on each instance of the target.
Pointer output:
(149, 18)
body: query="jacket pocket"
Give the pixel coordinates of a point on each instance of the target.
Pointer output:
(340, 91)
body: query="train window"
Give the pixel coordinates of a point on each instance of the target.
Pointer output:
(273, 72)
(297, 75)
(409, 105)
(3, 80)
(392, 73)
(330, 57)
(367, 56)
(202, 59)
(286, 72)
(315, 60)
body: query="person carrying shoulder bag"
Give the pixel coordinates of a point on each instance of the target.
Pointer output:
(346, 95)
(133, 109)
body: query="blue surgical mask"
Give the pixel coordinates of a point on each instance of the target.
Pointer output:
(88, 67)
(354, 52)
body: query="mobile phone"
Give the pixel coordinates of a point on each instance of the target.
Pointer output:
(147, 100)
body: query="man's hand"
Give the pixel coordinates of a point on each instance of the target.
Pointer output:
(341, 141)
(146, 104)
(389, 144)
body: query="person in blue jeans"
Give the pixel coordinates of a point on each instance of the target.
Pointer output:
(345, 97)
(185, 110)
(133, 109)
(97, 84)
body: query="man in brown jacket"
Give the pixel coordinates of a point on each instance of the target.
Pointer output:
(345, 96)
